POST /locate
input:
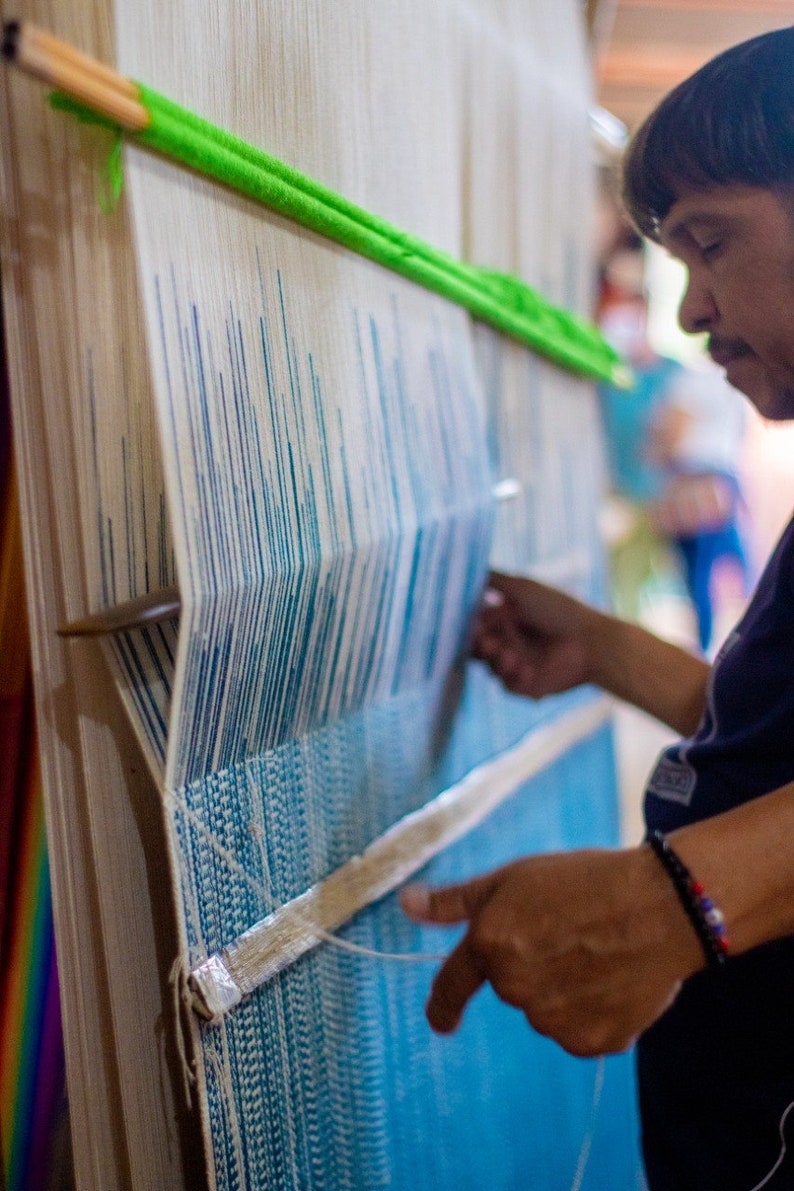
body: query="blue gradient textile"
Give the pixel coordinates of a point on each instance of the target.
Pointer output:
(331, 439)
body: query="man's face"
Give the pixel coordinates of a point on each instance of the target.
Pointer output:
(737, 243)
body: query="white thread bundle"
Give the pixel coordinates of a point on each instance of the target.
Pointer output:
(289, 931)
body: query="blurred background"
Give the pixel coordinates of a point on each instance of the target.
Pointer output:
(699, 486)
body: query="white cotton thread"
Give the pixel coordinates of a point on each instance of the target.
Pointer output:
(399, 851)
(219, 849)
(327, 936)
(223, 1076)
(182, 1001)
(587, 1140)
(782, 1153)
(357, 949)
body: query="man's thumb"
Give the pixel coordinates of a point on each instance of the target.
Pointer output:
(453, 903)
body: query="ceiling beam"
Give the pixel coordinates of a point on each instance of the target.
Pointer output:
(656, 69)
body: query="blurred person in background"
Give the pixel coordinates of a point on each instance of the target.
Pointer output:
(698, 440)
(673, 443)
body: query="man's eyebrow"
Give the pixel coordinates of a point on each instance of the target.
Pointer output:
(683, 228)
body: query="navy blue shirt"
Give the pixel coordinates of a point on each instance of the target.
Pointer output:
(744, 745)
(716, 1072)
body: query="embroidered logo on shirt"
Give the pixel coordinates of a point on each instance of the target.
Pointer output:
(674, 778)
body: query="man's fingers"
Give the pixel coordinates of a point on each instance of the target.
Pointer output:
(453, 903)
(457, 981)
(511, 586)
(460, 975)
(530, 599)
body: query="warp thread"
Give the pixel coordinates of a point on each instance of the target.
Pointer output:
(178, 976)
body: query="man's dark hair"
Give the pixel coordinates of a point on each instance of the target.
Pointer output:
(732, 122)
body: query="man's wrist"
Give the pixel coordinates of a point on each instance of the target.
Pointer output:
(599, 634)
(708, 921)
(744, 858)
(668, 928)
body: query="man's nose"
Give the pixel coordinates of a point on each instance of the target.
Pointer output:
(697, 311)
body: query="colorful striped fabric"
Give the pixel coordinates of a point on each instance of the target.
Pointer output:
(32, 1107)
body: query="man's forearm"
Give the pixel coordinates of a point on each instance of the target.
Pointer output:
(745, 860)
(654, 675)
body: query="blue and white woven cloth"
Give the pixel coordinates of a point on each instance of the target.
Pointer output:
(331, 441)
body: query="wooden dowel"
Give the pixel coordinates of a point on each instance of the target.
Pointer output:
(49, 44)
(132, 614)
(51, 61)
(162, 605)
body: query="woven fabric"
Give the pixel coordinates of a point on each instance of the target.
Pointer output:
(331, 438)
(328, 1076)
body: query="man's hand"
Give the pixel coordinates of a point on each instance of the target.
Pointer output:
(534, 638)
(592, 945)
(540, 641)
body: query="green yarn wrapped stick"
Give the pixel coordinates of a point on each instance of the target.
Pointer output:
(501, 300)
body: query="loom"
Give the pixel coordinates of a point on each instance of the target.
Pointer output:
(309, 450)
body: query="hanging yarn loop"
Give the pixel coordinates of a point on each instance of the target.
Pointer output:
(112, 177)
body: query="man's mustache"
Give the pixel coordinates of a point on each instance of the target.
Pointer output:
(722, 351)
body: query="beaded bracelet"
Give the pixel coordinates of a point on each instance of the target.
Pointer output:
(707, 920)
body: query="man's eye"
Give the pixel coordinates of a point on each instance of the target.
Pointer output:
(707, 251)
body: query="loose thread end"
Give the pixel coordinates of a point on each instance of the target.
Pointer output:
(182, 998)
(111, 181)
